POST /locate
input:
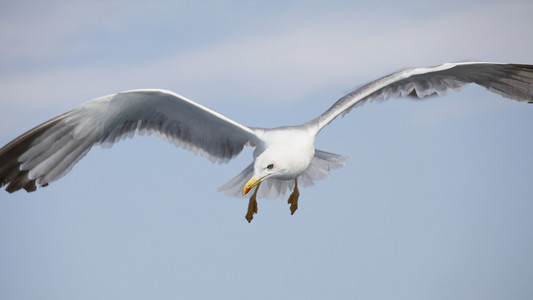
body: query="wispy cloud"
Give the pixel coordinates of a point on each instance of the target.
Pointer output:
(287, 56)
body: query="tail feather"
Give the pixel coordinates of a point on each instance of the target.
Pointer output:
(233, 188)
(319, 168)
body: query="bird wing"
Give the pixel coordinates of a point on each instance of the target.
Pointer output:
(51, 149)
(508, 80)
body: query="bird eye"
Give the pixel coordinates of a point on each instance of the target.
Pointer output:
(270, 166)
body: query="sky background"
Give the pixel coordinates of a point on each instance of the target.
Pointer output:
(436, 201)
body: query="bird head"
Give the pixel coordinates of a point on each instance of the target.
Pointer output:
(265, 165)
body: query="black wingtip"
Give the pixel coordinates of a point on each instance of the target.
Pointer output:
(10, 172)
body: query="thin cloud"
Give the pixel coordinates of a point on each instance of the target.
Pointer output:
(283, 62)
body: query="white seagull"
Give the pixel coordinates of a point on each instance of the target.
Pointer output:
(284, 157)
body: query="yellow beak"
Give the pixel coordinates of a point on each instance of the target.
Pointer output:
(250, 184)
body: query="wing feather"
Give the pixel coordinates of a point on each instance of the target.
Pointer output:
(512, 81)
(50, 150)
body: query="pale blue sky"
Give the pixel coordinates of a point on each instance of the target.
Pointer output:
(435, 202)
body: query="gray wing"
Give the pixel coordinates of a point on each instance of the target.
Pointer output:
(508, 80)
(51, 149)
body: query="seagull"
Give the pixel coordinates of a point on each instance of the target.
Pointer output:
(284, 157)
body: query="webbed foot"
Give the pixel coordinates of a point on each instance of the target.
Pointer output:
(252, 209)
(293, 198)
(252, 206)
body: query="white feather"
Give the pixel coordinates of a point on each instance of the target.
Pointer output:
(319, 168)
(107, 120)
(508, 80)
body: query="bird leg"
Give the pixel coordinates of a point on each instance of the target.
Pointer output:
(252, 205)
(293, 199)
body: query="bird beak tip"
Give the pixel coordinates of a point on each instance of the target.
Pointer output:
(249, 185)
(245, 190)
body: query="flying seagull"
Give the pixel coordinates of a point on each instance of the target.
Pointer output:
(284, 157)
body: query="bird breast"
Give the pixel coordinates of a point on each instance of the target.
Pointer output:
(294, 148)
(298, 159)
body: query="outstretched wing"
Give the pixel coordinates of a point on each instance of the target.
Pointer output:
(508, 80)
(51, 149)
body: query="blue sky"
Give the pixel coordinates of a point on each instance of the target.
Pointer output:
(435, 202)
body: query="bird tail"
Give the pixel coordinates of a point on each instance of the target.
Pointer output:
(318, 169)
(233, 188)
(320, 165)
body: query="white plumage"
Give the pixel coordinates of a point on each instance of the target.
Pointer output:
(283, 158)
